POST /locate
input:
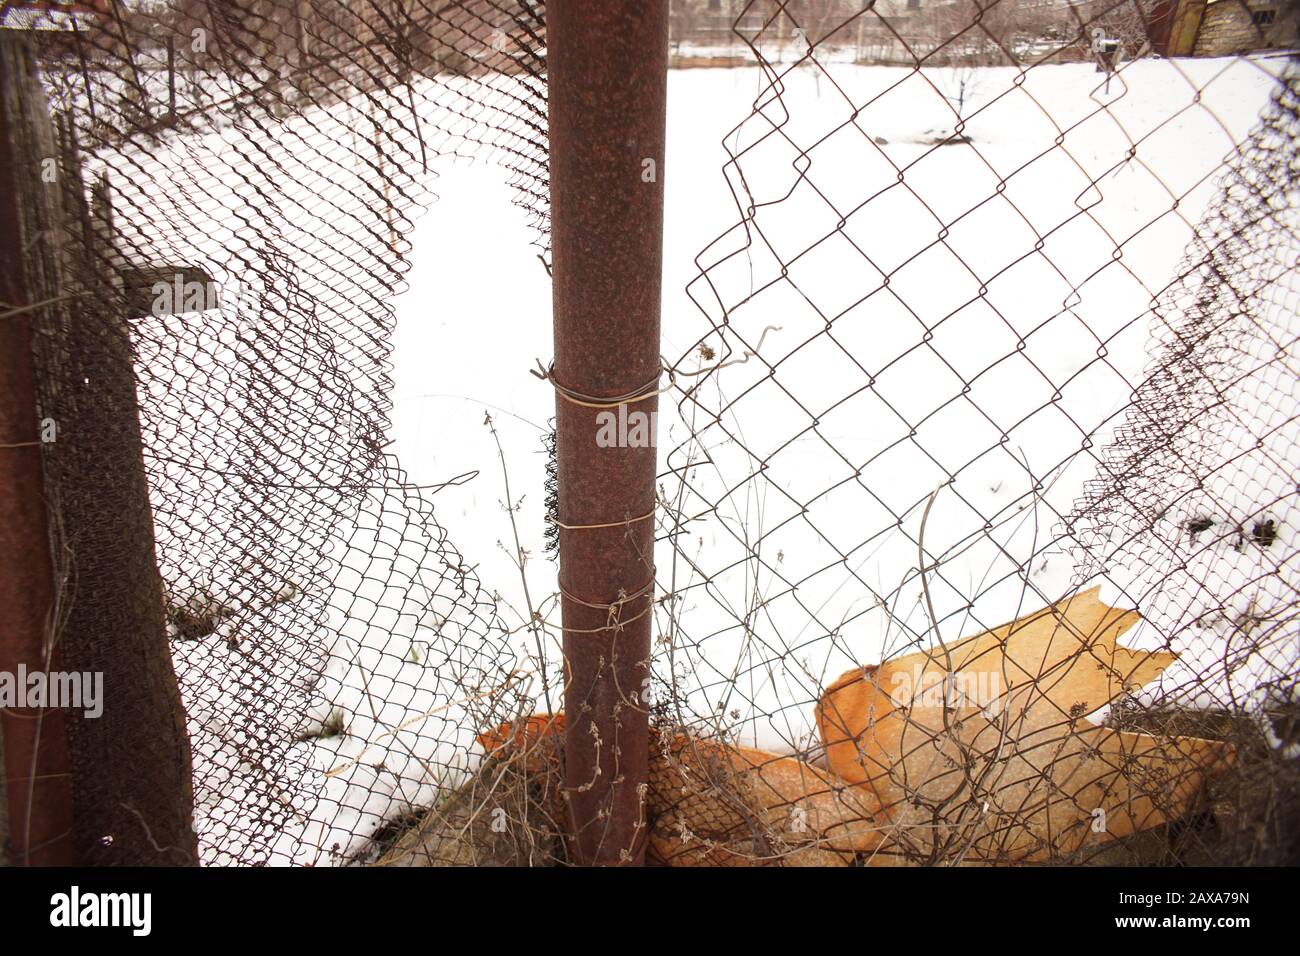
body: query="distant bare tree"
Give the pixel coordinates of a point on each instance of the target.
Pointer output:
(814, 22)
(972, 33)
(684, 21)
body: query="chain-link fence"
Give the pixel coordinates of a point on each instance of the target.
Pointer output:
(254, 167)
(977, 493)
(918, 411)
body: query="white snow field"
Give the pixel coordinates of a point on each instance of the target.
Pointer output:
(992, 362)
(1011, 330)
(751, 647)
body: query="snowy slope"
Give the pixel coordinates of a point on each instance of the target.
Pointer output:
(1010, 332)
(1051, 349)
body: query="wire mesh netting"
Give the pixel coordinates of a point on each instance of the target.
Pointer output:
(254, 166)
(996, 344)
(930, 344)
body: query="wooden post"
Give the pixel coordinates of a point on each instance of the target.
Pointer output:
(38, 784)
(78, 516)
(1176, 31)
(171, 79)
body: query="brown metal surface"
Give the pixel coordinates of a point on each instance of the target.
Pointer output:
(38, 785)
(607, 79)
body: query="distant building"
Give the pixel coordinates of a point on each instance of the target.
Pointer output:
(938, 32)
(52, 15)
(1240, 26)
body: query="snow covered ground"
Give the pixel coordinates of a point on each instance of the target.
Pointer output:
(1035, 301)
(969, 315)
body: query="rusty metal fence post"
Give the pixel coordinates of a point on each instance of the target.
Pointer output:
(38, 784)
(607, 88)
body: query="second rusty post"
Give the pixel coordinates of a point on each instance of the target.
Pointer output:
(607, 87)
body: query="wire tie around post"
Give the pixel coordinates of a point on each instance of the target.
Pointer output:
(613, 610)
(648, 390)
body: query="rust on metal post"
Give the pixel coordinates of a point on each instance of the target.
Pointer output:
(38, 786)
(607, 86)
